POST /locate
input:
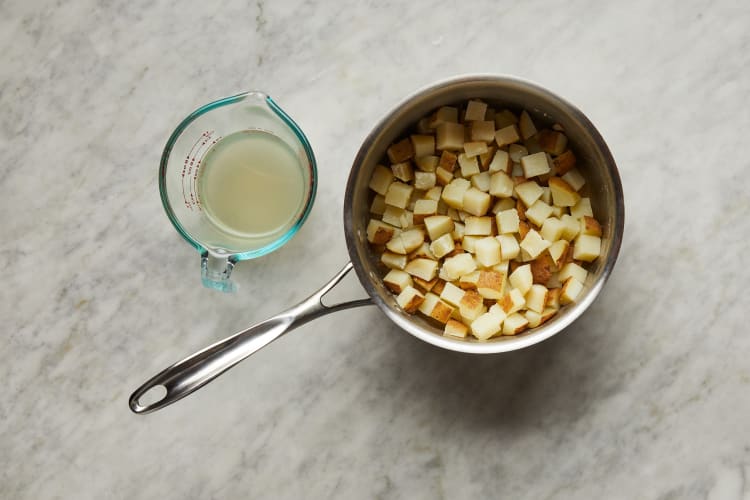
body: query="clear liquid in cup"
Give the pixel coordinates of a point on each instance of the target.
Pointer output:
(251, 184)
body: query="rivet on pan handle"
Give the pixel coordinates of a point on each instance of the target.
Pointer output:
(193, 372)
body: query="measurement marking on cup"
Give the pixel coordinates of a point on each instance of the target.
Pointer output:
(191, 166)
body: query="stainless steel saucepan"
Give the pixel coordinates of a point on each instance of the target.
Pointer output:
(595, 161)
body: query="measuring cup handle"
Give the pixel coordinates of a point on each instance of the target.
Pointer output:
(193, 372)
(215, 272)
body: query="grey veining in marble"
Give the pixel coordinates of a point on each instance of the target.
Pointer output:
(646, 396)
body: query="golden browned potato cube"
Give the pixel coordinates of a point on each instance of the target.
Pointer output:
(402, 171)
(410, 299)
(401, 151)
(506, 136)
(381, 179)
(564, 162)
(455, 328)
(552, 142)
(512, 301)
(397, 280)
(378, 204)
(515, 324)
(378, 232)
(450, 136)
(526, 125)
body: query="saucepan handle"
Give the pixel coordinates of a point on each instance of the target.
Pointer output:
(193, 372)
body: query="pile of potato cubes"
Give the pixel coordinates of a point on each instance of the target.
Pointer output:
(480, 221)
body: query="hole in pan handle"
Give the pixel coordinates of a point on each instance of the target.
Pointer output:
(195, 371)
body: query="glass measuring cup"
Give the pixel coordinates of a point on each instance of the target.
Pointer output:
(180, 166)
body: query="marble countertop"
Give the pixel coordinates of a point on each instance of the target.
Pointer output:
(646, 396)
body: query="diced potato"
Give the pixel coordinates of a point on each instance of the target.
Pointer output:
(485, 326)
(469, 281)
(435, 308)
(529, 192)
(516, 171)
(490, 284)
(446, 114)
(507, 221)
(474, 150)
(572, 270)
(433, 193)
(452, 294)
(453, 214)
(476, 202)
(574, 178)
(507, 135)
(427, 163)
(508, 246)
(393, 260)
(590, 226)
(468, 243)
(424, 180)
(397, 280)
(402, 171)
(457, 266)
(381, 179)
(532, 144)
(442, 176)
(406, 242)
(469, 165)
(512, 301)
(534, 319)
(478, 226)
(536, 298)
(422, 268)
(398, 194)
(515, 324)
(448, 161)
(587, 247)
(516, 152)
(504, 204)
(424, 208)
(379, 232)
(486, 158)
(563, 195)
(395, 216)
(455, 328)
(498, 312)
(526, 125)
(482, 131)
(401, 151)
(437, 288)
(571, 289)
(546, 195)
(500, 162)
(582, 208)
(378, 204)
(553, 298)
(534, 244)
(453, 193)
(410, 299)
(564, 162)
(450, 136)
(442, 246)
(521, 278)
(475, 110)
(458, 231)
(504, 118)
(438, 225)
(552, 141)
(538, 212)
(542, 268)
(422, 252)
(471, 306)
(423, 145)
(557, 251)
(424, 286)
(501, 185)
(552, 229)
(548, 314)
(571, 227)
(481, 182)
(487, 251)
(534, 165)
(553, 282)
